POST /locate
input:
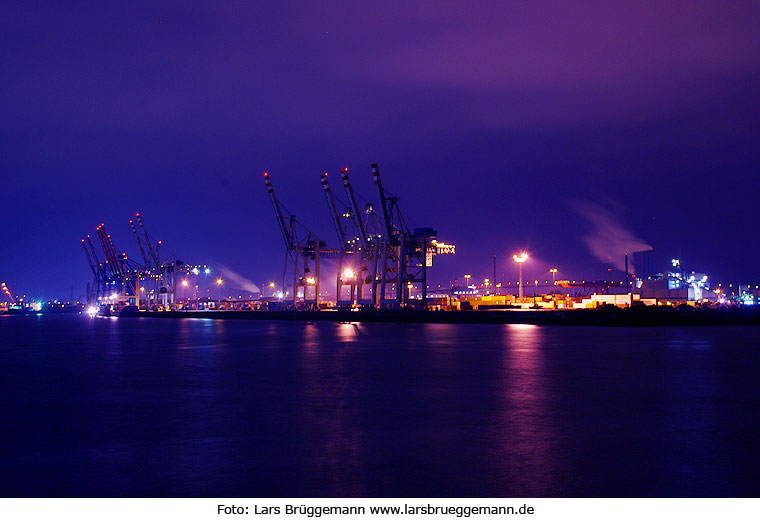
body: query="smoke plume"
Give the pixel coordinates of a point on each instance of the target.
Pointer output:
(608, 239)
(239, 281)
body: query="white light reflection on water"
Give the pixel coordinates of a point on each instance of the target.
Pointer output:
(347, 332)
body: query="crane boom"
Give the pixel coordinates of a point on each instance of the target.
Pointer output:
(119, 258)
(286, 235)
(110, 259)
(383, 204)
(89, 260)
(352, 201)
(139, 243)
(333, 211)
(113, 257)
(148, 243)
(95, 256)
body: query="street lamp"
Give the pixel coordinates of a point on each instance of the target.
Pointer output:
(520, 259)
(219, 282)
(535, 292)
(467, 280)
(184, 284)
(554, 275)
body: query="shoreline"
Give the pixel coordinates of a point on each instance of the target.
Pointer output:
(637, 317)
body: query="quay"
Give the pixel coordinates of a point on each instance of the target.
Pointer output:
(607, 316)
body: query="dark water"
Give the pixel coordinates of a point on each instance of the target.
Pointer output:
(141, 407)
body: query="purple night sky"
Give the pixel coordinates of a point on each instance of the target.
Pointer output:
(569, 131)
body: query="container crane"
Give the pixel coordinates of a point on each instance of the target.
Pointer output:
(309, 248)
(347, 256)
(406, 255)
(364, 247)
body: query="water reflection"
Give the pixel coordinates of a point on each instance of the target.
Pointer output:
(327, 409)
(135, 407)
(525, 433)
(692, 392)
(347, 332)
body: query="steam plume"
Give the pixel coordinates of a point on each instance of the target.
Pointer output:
(239, 281)
(608, 240)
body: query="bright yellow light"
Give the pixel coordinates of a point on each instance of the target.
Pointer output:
(553, 270)
(520, 258)
(467, 276)
(271, 285)
(184, 282)
(219, 281)
(347, 274)
(311, 280)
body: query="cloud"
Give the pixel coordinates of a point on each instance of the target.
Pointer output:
(608, 241)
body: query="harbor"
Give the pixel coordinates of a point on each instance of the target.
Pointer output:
(609, 316)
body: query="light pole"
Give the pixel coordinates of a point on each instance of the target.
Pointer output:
(554, 275)
(535, 292)
(520, 259)
(219, 282)
(467, 280)
(184, 284)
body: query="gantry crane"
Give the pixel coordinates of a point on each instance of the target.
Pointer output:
(346, 257)
(299, 252)
(374, 257)
(405, 255)
(365, 246)
(117, 278)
